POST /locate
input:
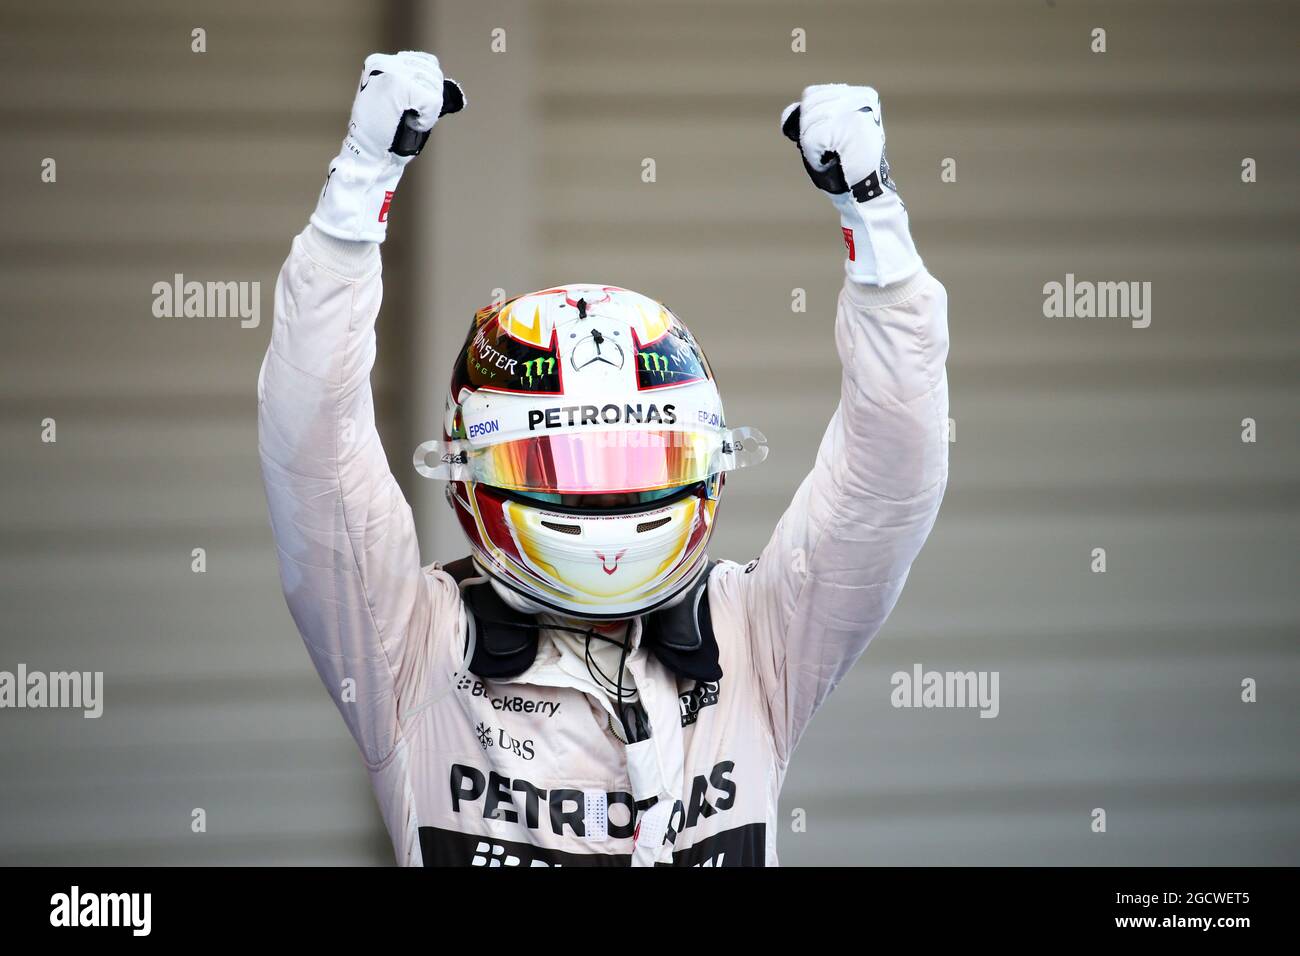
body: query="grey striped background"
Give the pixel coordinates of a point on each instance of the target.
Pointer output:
(1118, 690)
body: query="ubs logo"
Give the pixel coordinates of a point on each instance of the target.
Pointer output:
(523, 749)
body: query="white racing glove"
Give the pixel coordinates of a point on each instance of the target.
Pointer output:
(840, 135)
(400, 97)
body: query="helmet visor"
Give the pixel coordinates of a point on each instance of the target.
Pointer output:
(595, 462)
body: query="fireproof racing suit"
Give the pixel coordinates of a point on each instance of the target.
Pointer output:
(530, 770)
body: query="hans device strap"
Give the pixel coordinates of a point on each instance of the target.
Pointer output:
(681, 636)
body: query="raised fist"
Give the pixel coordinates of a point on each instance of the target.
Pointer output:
(841, 137)
(839, 131)
(399, 98)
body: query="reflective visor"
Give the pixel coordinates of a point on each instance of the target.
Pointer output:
(600, 462)
(595, 462)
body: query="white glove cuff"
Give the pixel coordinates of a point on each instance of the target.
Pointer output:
(355, 202)
(877, 239)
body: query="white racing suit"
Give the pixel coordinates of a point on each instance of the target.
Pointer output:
(529, 771)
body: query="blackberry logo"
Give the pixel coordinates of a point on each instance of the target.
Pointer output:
(494, 854)
(742, 846)
(515, 703)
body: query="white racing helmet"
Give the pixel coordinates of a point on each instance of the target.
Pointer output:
(585, 445)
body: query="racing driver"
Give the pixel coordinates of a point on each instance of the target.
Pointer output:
(587, 687)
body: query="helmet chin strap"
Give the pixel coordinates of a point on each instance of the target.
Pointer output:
(516, 600)
(615, 633)
(526, 605)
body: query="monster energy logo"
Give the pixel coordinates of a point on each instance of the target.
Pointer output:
(538, 367)
(654, 362)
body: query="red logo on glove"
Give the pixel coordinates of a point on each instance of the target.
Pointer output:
(388, 201)
(848, 237)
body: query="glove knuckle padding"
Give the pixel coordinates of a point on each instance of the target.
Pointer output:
(839, 132)
(397, 102)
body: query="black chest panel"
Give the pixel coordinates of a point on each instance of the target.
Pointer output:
(681, 636)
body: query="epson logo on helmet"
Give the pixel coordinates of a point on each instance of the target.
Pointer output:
(610, 414)
(712, 419)
(482, 429)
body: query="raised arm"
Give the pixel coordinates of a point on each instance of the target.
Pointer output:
(840, 555)
(349, 560)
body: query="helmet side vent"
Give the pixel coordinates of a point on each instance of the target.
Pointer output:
(562, 528)
(645, 526)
